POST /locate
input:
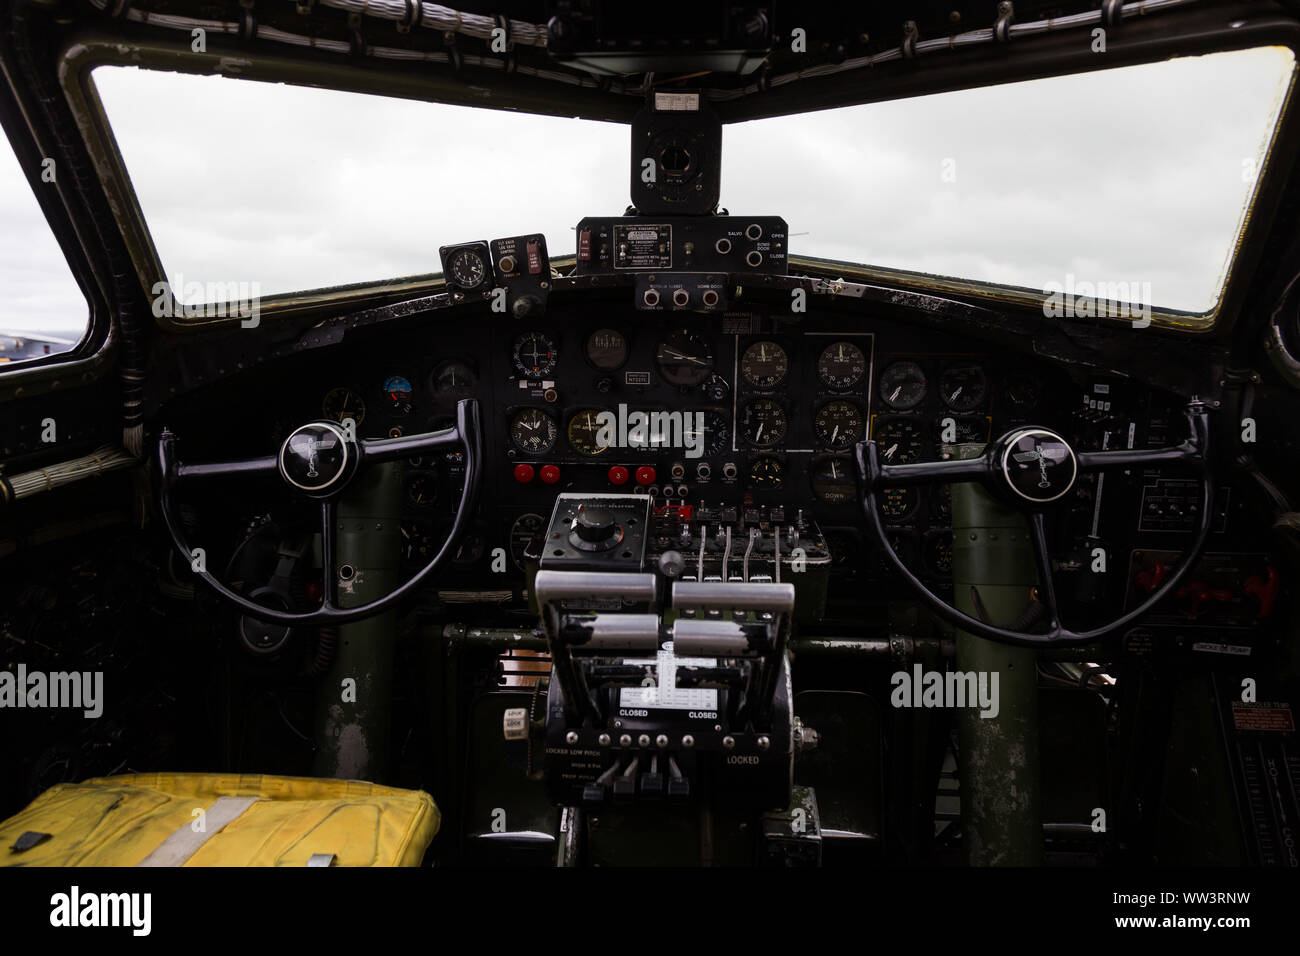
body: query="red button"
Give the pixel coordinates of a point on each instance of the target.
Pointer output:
(524, 474)
(617, 475)
(645, 475)
(550, 474)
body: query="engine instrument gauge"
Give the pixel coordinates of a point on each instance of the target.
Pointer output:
(421, 488)
(583, 432)
(454, 380)
(938, 552)
(534, 355)
(717, 432)
(899, 440)
(417, 542)
(607, 349)
(533, 430)
(839, 424)
(525, 539)
(1022, 388)
(763, 422)
(764, 364)
(903, 385)
(766, 473)
(841, 365)
(684, 358)
(964, 431)
(832, 479)
(341, 404)
(897, 503)
(963, 387)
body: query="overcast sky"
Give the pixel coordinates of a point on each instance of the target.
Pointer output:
(1137, 174)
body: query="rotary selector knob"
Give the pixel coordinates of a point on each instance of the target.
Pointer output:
(594, 529)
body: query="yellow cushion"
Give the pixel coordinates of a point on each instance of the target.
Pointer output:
(119, 821)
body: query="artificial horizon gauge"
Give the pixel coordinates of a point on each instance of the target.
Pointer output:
(841, 365)
(839, 424)
(902, 385)
(763, 422)
(963, 387)
(898, 440)
(584, 431)
(684, 358)
(466, 267)
(766, 473)
(607, 349)
(341, 404)
(764, 364)
(397, 393)
(832, 480)
(534, 355)
(533, 430)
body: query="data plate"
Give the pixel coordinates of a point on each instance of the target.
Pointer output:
(668, 696)
(639, 246)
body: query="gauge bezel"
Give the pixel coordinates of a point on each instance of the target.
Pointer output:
(963, 408)
(361, 403)
(916, 422)
(762, 386)
(834, 386)
(514, 412)
(570, 416)
(853, 440)
(524, 371)
(742, 416)
(586, 348)
(675, 378)
(442, 394)
(448, 254)
(847, 462)
(884, 374)
(754, 462)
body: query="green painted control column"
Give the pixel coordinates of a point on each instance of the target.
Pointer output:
(354, 700)
(999, 764)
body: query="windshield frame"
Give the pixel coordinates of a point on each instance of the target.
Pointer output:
(80, 57)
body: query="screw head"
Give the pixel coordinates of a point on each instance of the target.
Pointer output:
(625, 740)
(643, 740)
(661, 741)
(603, 740)
(764, 742)
(688, 740)
(571, 737)
(729, 742)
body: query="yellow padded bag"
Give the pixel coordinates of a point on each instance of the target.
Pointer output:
(247, 820)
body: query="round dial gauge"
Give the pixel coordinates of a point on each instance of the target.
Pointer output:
(534, 355)
(838, 424)
(764, 364)
(943, 502)
(397, 393)
(832, 480)
(343, 403)
(766, 473)
(1022, 388)
(717, 432)
(417, 542)
(467, 269)
(841, 365)
(584, 429)
(525, 538)
(454, 380)
(963, 387)
(902, 385)
(899, 441)
(684, 358)
(607, 349)
(904, 546)
(533, 431)
(897, 503)
(938, 552)
(421, 488)
(763, 423)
